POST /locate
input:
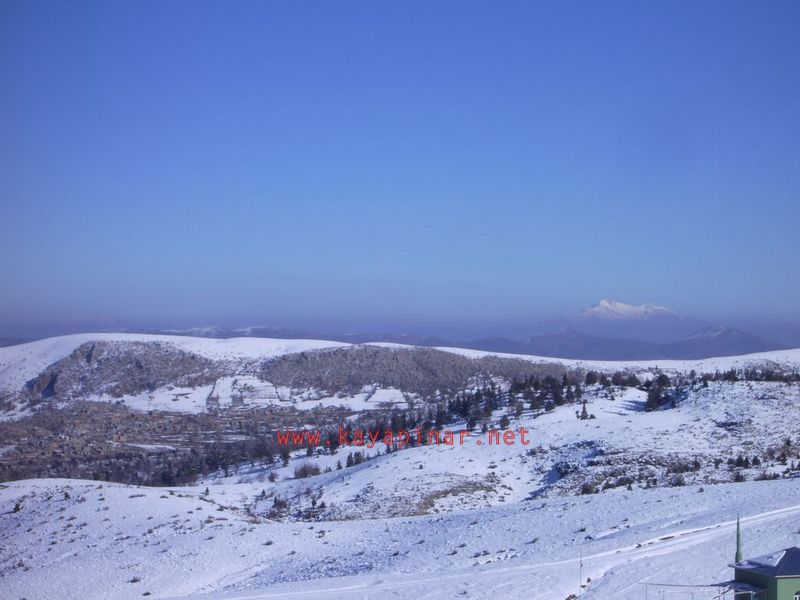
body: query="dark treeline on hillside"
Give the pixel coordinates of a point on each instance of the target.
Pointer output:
(110, 442)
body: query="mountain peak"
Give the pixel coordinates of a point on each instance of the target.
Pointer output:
(613, 309)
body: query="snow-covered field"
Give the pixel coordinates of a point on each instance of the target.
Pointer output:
(115, 541)
(403, 524)
(476, 520)
(248, 392)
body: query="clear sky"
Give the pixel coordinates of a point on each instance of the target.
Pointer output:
(396, 162)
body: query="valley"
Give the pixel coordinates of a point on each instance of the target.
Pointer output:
(631, 467)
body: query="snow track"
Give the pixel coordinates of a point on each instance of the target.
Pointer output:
(497, 579)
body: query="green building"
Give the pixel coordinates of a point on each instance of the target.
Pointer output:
(775, 576)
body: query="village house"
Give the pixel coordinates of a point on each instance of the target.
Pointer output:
(774, 576)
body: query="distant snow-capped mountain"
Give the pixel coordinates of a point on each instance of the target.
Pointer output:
(618, 320)
(613, 330)
(612, 309)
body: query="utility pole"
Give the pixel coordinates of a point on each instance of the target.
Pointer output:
(580, 574)
(738, 541)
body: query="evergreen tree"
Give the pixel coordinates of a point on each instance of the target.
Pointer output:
(518, 409)
(653, 399)
(472, 422)
(558, 397)
(570, 395)
(441, 418)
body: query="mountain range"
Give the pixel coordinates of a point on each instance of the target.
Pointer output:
(569, 343)
(613, 330)
(608, 330)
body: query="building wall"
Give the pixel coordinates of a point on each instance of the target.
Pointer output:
(787, 588)
(777, 589)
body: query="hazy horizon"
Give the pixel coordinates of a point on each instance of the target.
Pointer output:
(781, 331)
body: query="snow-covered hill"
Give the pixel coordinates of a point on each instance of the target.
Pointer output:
(619, 499)
(193, 375)
(21, 363)
(789, 359)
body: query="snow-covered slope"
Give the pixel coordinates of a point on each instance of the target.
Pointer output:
(79, 539)
(637, 494)
(193, 375)
(474, 520)
(23, 362)
(620, 444)
(779, 358)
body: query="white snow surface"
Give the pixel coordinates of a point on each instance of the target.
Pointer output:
(428, 522)
(778, 358)
(20, 363)
(116, 541)
(471, 521)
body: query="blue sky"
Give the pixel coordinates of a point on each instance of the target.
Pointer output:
(396, 163)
